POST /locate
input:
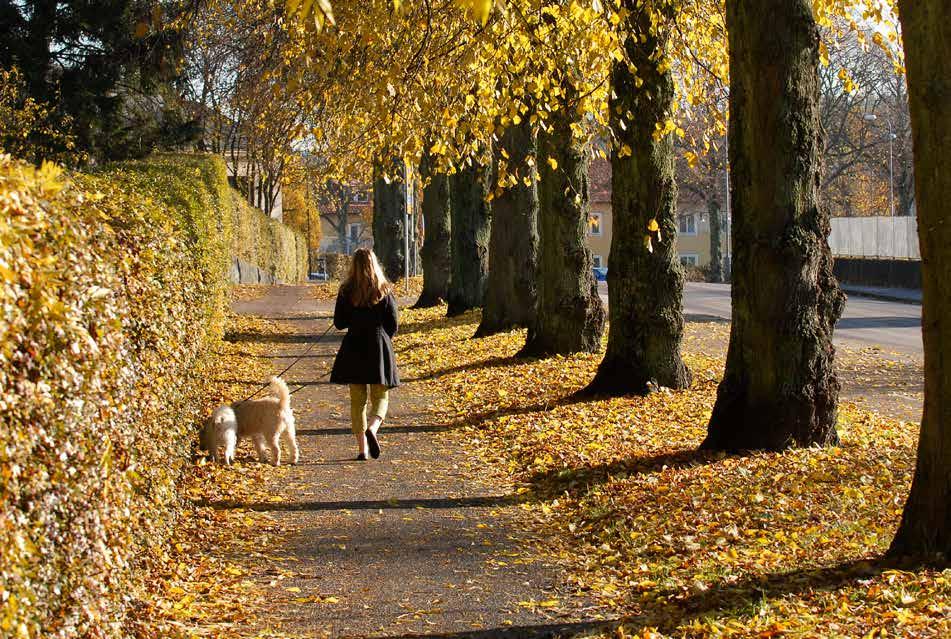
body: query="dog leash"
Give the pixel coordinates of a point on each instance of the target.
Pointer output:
(303, 386)
(292, 364)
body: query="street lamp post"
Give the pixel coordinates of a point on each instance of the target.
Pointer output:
(408, 203)
(871, 117)
(726, 199)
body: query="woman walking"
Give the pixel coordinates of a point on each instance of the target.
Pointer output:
(365, 361)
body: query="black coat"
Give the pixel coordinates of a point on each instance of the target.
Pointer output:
(366, 354)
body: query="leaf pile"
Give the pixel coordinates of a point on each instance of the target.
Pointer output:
(680, 542)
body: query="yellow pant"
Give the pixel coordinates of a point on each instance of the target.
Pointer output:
(379, 401)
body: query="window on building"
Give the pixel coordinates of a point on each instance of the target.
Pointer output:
(360, 197)
(598, 261)
(690, 259)
(594, 224)
(354, 231)
(688, 224)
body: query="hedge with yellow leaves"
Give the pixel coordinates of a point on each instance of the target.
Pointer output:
(112, 293)
(268, 244)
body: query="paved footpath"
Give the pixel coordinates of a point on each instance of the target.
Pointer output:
(416, 543)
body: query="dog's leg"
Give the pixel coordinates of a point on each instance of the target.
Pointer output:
(290, 438)
(229, 447)
(276, 449)
(261, 448)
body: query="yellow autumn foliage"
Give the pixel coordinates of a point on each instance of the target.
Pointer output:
(112, 294)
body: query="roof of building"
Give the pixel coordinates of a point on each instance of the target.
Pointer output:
(599, 180)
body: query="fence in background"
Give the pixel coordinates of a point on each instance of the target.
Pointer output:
(875, 237)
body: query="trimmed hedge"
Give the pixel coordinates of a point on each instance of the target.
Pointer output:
(112, 296)
(268, 244)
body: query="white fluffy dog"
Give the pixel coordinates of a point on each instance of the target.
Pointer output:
(265, 421)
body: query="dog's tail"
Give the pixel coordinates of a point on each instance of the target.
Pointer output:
(279, 388)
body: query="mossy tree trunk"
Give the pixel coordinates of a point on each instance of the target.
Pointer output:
(435, 253)
(513, 242)
(389, 207)
(715, 273)
(469, 248)
(925, 528)
(779, 388)
(569, 316)
(645, 281)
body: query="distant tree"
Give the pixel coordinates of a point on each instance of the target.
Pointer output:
(32, 130)
(335, 199)
(864, 102)
(470, 227)
(234, 85)
(570, 317)
(510, 296)
(105, 67)
(389, 209)
(437, 221)
(702, 168)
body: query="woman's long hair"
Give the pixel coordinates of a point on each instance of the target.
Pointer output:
(366, 284)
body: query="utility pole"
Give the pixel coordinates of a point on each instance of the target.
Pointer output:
(728, 207)
(407, 203)
(871, 117)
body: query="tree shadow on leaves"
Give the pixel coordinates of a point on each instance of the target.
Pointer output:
(440, 322)
(492, 362)
(576, 481)
(668, 610)
(476, 419)
(485, 501)
(673, 608)
(237, 337)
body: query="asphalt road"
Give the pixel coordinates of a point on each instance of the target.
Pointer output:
(893, 326)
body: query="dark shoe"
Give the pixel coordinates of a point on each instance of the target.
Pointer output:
(361, 457)
(373, 444)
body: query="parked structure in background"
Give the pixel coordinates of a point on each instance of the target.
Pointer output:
(693, 238)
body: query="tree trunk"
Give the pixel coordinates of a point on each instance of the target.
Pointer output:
(716, 242)
(343, 238)
(925, 528)
(436, 236)
(779, 388)
(389, 205)
(513, 246)
(469, 189)
(645, 281)
(569, 314)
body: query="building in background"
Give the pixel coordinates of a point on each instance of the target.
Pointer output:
(346, 218)
(693, 237)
